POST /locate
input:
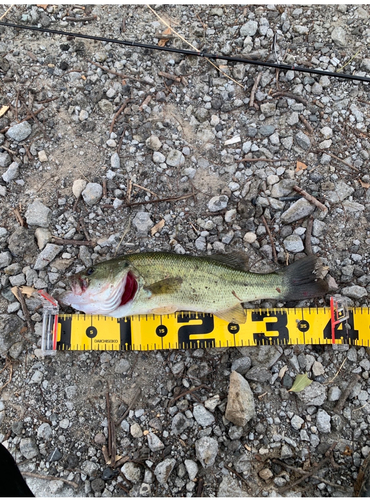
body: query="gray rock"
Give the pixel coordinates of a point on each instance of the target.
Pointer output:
(229, 487)
(180, 423)
(5, 259)
(235, 432)
(158, 157)
(175, 158)
(264, 355)
(268, 109)
(342, 191)
(153, 143)
(163, 470)
(338, 35)
(122, 366)
(297, 422)
(135, 430)
(11, 173)
(206, 449)
(154, 443)
(318, 228)
(301, 208)
(241, 365)
(115, 161)
(249, 29)
(43, 236)
(92, 193)
(44, 432)
(354, 291)
(38, 214)
(191, 469)
(258, 374)
(286, 452)
(203, 416)
(132, 472)
(303, 141)
(240, 407)
(5, 160)
(106, 106)
(143, 223)
(85, 257)
(313, 395)
(293, 243)
(37, 377)
(22, 242)
(218, 203)
(71, 391)
(282, 188)
(19, 132)
(10, 326)
(97, 485)
(323, 421)
(47, 255)
(28, 448)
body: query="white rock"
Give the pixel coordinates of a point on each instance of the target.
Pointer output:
(78, 186)
(42, 156)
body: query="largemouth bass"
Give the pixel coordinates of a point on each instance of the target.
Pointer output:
(162, 283)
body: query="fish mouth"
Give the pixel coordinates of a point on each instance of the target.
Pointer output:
(130, 289)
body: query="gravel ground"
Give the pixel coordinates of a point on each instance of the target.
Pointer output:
(73, 168)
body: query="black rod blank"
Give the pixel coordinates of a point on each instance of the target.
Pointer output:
(285, 67)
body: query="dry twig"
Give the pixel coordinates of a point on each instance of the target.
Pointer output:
(345, 394)
(124, 77)
(271, 239)
(254, 88)
(169, 76)
(342, 161)
(50, 478)
(310, 198)
(133, 401)
(289, 95)
(306, 124)
(307, 240)
(24, 309)
(118, 113)
(202, 386)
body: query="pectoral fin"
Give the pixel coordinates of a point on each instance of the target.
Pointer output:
(168, 285)
(234, 315)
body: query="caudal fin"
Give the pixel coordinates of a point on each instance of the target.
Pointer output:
(302, 281)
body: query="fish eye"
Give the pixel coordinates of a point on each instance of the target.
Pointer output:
(89, 271)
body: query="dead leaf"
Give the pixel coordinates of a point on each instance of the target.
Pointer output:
(25, 290)
(300, 166)
(3, 110)
(363, 184)
(300, 383)
(43, 6)
(157, 227)
(162, 42)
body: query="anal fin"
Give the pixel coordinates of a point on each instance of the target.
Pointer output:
(236, 314)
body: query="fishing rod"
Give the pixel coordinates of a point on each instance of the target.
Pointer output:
(195, 53)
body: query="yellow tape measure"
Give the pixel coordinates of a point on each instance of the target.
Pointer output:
(184, 330)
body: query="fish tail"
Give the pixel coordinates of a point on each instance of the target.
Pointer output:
(302, 281)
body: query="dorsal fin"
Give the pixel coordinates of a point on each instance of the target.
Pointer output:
(238, 260)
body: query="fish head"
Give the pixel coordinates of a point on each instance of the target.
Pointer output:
(102, 288)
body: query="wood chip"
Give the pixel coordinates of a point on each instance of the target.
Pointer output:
(3, 110)
(157, 227)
